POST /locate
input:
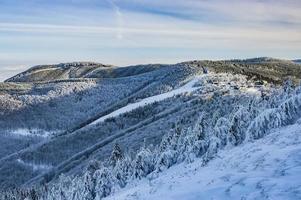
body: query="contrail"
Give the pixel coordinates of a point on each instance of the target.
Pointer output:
(119, 19)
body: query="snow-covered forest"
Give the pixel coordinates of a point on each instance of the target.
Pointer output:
(244, 119)
(150, 100)
(171, 127)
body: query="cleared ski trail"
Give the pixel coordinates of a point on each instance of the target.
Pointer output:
(188, 87)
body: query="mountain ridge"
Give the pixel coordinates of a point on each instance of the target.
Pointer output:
(73, 70)
(57, 71)
(59, 113)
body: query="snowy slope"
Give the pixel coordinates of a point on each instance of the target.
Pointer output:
(223, 82)
(33, 132)
(188, 87)
(269, 168)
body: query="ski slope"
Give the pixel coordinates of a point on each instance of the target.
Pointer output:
(223, 81)
(269, 168)
(188, 87)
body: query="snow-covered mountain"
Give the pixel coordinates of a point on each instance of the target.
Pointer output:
(84, 130)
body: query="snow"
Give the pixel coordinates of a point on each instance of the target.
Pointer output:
(208, 83)
(42, 70)
(253, 91)
(188, 87)
(35, 167)
(268, 168)
(31, 132)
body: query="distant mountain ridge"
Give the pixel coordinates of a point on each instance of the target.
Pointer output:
(264, 60)
(79, 70)
(59, 71)
(297, 61)
(82, 70)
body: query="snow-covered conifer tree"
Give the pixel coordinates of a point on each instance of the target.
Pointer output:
(238, 126)
(93, 166)
(143, 163)
(116, 154)
(87, 189)
(104, 182)
(166, 159)
(221, 129)
(123, 170)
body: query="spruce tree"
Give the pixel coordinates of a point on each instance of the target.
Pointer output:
(116, 155)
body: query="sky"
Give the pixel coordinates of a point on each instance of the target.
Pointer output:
(126, 32)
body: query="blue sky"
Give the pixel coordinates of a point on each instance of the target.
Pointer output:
(124, 32)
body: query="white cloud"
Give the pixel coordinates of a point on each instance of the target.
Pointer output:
(119, 19)
(231, 12)
(178, 31)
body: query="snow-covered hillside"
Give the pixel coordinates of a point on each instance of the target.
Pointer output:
(188, 87)
(206, 85)
(194, 130)
(269, 168)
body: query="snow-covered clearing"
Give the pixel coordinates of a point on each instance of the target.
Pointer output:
(35, 167)
(269, 168)
(188, 87)
(253, 90)
(31, 132)
(41, 70)
(209, 83)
